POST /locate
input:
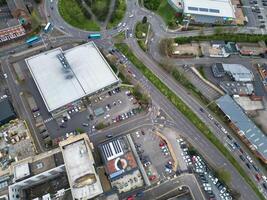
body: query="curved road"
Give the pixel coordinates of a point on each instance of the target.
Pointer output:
(160, 30)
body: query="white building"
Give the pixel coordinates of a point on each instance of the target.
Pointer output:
(206, 11)
(64, 77)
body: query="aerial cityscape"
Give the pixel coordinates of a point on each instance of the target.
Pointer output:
(133, 99)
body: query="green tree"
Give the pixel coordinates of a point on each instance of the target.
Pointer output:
(144, 20)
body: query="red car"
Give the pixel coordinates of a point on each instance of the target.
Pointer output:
(130, 198)
(161, 144)
(258, 177)
(153, 177)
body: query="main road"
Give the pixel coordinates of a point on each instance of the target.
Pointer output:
(212, 154)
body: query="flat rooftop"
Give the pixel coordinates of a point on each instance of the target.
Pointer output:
(239, 72)
(80, 167)
(217, 8)
(237, 116)
(63, 77)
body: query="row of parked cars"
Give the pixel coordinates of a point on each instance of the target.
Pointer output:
(255, 8)
(211, 185)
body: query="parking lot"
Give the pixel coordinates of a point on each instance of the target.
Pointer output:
(114, 106)
(154, 154)
(255, 10)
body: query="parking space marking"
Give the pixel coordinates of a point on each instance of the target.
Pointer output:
(48, 120)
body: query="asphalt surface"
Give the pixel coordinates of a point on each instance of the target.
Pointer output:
(183, 125)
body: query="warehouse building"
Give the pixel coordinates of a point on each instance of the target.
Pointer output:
(236, 71)
(206, 11)
(247, 131)
(64, 78)
(7, 112)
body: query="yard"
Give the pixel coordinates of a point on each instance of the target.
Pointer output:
(73, 14)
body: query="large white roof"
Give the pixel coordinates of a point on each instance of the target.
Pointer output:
(88, 69)
(79, 163)
(218, 8)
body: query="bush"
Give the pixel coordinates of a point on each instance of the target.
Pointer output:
(225, 37)
(152, 4)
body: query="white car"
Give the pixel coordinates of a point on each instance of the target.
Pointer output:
(5, 76)
(119, 24)
(124, 24)
(168, 170)
(131, 15)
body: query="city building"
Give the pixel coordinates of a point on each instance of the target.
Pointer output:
(238, 72)
(7, 112)
(66, 173)
(217, 70)
(12, 30)
(206, 11)
(64, 78)
(80, 167)
(120, 165)
(247, 131)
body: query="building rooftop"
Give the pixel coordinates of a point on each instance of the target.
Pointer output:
(118, 157)
(238, 72)
(80, 167)
(66, 76)
(247, 128)
(21, 171)
(218, 8)
(7, 112)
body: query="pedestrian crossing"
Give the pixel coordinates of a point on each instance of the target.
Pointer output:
(48, 120)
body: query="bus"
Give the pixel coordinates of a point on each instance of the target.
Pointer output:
(33, 40)
(47, 27)
(94, 36)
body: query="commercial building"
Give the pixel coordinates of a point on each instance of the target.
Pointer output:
(247, 131)
(67, 172)
(12, 30)
(120, 165)
(7, 112)
(236, 71)
(63, 78)
(206, 11)
(80, 167)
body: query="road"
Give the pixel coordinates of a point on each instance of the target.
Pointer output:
(182, 124)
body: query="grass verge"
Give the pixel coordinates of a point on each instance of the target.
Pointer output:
(72, 14)
(187, 112)
(224, 36)
(117, 14)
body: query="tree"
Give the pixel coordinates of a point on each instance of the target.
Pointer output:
(144, 20)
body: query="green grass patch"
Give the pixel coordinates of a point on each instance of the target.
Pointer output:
(120, 37)
(163, 9)
(187, 112)
(201, 71)
(141, 30)
(117, 14)
(72, 13)
(100, 8)
(224, 36)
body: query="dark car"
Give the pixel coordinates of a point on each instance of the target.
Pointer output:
(248, 165)
(109, 136)
(242, 157)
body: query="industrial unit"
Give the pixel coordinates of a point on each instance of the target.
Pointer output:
(63, 78)
(205, 11)
(247, 131)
